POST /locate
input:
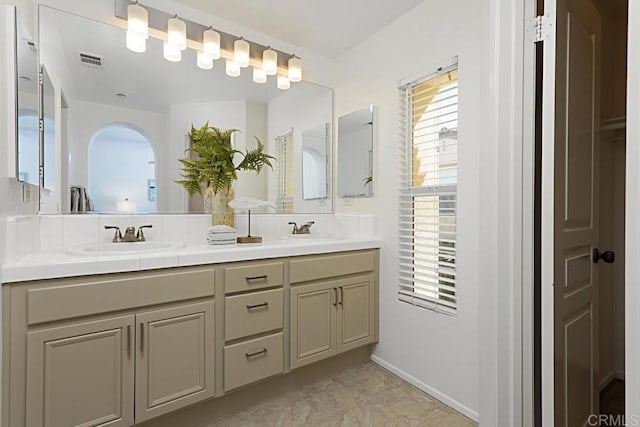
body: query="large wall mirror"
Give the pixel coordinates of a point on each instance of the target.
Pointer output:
(129, 115)
(28, 145)
(355, 153)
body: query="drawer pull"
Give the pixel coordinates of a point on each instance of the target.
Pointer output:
(252, 278)
(257, 353)
(254, 306)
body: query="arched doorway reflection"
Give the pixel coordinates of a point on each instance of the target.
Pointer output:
(121, 170)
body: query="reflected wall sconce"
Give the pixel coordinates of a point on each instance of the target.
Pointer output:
(210, 44)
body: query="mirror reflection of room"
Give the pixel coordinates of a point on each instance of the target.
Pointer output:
(355, 154)
(129, 116)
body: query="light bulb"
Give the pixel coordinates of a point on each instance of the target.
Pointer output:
(259, 75)
(232, 69)
(283, 82)
(295, 69)
(211, 43)
(136, 42)
(138, 20)
(241, 53)
(172, 52)
(204, 61)
(177, 33)
(270, 62)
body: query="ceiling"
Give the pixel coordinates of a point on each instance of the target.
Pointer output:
(327, 27)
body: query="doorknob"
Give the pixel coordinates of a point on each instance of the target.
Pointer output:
(606, 256)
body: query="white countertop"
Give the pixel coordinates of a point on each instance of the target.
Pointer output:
(50, 265)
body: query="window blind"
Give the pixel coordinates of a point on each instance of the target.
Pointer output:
(428, 191)
(284, 177)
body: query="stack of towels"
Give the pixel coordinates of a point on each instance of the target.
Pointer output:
(221, 235)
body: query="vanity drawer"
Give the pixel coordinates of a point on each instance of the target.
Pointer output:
(250, 314)
(250, 277)
(253, 360)
(323, 267)
(68, 298)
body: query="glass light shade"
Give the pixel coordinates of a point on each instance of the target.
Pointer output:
(270, 62)
(177, 30)
(138, 20)
(204, 61)
(211, 43)
(295, 69)
(283, 82)
(136, 42)
(259, 75)
(172, 52)
(232, 69)
(241, 53)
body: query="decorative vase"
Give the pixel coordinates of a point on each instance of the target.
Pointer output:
(218, 206)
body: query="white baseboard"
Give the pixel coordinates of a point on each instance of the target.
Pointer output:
(427, 389)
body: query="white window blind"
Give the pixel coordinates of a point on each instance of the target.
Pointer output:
(428, 191)
(284, 177)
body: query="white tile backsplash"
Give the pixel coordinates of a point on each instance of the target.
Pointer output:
(50, 232)
(81, 230)
(175, 228)
(29, 234)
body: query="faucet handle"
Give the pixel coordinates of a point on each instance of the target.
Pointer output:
(310, 223)
(117, 237)
(140, 233)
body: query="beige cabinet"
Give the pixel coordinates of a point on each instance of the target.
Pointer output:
(331, 317)
(356, 312)
(174, 358)
(81, 375)
(313, 322)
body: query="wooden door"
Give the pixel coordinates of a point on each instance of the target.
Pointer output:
(313, 322)
(81, 375)
(355, 312)
(577, 121)
(174, 358)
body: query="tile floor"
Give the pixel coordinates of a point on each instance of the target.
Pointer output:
(366, 395)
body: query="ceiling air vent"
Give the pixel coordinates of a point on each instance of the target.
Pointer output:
(91, 61)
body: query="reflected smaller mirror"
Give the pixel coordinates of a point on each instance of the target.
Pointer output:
(48, 134)
(355, 153)
(27, 84)
(314, 162)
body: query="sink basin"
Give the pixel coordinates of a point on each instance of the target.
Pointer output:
(312, 237)
(126, 248)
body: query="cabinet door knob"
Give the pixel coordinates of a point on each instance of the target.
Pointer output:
(606, 256)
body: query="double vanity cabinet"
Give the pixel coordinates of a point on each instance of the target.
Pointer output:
(120, 349)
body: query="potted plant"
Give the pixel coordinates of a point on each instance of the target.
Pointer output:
(213, 167)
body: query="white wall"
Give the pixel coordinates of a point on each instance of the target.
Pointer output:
(436, 352)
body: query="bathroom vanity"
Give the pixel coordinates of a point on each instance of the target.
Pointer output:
(122, 348)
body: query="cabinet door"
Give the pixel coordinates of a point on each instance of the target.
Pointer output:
(313, 322)
(174, 358)
(81, 375)
(355, 312)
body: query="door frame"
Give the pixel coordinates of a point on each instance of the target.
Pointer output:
(632, 211)
(506, 395)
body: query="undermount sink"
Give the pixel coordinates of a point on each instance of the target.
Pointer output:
(125, 248)
(312, 237)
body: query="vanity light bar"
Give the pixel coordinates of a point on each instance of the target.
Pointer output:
(211, 44)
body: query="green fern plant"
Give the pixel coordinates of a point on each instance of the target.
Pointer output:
(214, 164)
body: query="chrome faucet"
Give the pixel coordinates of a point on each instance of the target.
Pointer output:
(130, 234)
(303, 229)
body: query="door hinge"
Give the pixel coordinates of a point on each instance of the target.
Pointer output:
(41, 125)
(539, 28)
